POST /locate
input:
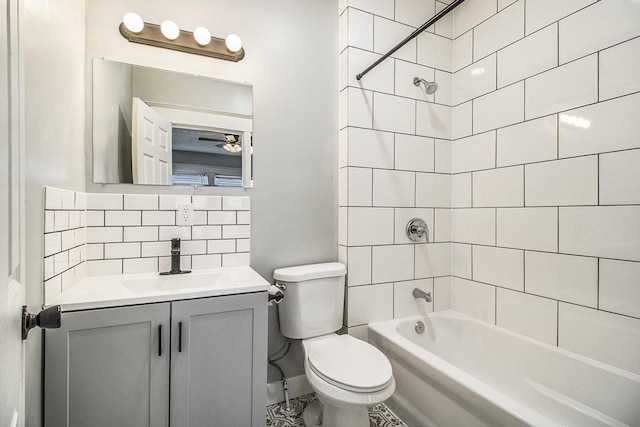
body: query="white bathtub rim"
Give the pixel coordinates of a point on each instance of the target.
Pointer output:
(391, 325)
(447, 373)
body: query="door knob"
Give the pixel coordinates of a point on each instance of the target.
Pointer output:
(50, 318)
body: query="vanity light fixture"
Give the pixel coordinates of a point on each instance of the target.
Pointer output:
(169, 36)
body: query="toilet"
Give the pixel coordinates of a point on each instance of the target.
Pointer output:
(347, 374)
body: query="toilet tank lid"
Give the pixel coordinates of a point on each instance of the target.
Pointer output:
(309, 272)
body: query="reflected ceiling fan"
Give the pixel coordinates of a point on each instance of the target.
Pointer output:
(230, 143)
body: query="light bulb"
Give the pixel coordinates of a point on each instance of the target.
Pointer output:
(133, 22)
(170, 30)
(233, 42)
(202, 36)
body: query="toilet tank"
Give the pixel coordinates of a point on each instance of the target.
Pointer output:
(313, 301)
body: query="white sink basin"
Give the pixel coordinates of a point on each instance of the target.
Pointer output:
(174, 282)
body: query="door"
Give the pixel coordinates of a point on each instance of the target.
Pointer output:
(108, 367)
(219, 361)
(151, 146)
(11, 227)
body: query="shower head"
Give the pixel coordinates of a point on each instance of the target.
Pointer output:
(429, 87)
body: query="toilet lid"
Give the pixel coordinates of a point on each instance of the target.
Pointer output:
(350, 363)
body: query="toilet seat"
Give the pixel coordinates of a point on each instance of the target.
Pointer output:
(349, 363)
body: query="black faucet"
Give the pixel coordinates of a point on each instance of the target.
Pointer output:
(175, 259)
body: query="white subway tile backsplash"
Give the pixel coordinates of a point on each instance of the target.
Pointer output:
(104, 234)
(221, 246)
(169, 232)
(159, 217)
(104, 267)
(206, 261)
(619, 287)
(414, 153)
(461, 260)
(139, 265)
(394, 114)
(499, 266)
(358, 265)
(528, 142)
(360, 29)
(368, 148)
(562, 182)
(52, 243)
(360, 181)
(170, 202)
(441, 293)
(499, 187)
(529, 315)
(606, 126)
(140, 202)
(442, 156)
(471, 13)
(473, 226)
(501, 29)
(386, 34)
(236, 203)
(432, 260)
(619, 70)
(463, 51)
(52, 198)
(528, 228)
(207, 203)
(392, 263)
(461, 190)
(541, 13)
(500, 108)
(568, 86)
(370, 226)
(462, 120)
(620, 178)
(115, 218)
(235, 231)
(206, 232)
(393, 188)
(414, 13)
(442, 226)
(433, 120)
(474, 153)
(121, 250)
(140, 234)
(615, 20)
(95, 218)
(104, 201)
(243, 245)
(432, 190)
(535, 53)
(475, 299)
(405, 304)
(370, 303)
(603, 336)
(95, 251)
(434, 51)
(221, 217)
(60, 220)
(474, 80)
(601, 231)
(562, 277)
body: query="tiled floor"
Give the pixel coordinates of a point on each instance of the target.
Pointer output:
(277, 416)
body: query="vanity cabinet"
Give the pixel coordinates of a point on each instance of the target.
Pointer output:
(199, 362)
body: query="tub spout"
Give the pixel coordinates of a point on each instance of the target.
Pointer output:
(419, 293)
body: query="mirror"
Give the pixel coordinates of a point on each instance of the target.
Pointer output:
(159, 127)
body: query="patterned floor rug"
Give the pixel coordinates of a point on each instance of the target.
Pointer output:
(278, 416)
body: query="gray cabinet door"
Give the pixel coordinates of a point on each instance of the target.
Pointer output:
(218, 369)
(108, 367)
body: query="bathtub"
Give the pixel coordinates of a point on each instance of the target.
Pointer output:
(463, 372)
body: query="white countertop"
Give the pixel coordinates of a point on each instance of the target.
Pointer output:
(130, 289)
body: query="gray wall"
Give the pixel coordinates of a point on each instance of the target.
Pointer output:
(291, 61)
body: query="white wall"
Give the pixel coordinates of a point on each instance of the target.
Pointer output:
(546, 227)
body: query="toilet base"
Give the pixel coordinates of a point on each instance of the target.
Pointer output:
(318, 414)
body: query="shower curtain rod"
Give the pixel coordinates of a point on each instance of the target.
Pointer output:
(420, 29)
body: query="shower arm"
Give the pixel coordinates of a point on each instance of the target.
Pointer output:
(420, 29)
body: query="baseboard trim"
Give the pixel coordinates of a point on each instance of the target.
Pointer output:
(298, 386)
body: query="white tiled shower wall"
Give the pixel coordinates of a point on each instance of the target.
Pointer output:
(544, 171)
(102, 234)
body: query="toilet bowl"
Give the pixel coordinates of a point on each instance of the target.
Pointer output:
(348, 375)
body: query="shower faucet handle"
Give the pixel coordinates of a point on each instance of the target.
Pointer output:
(417, 229)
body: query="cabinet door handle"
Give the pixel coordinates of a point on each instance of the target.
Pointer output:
(179, 337)
(159, 340)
